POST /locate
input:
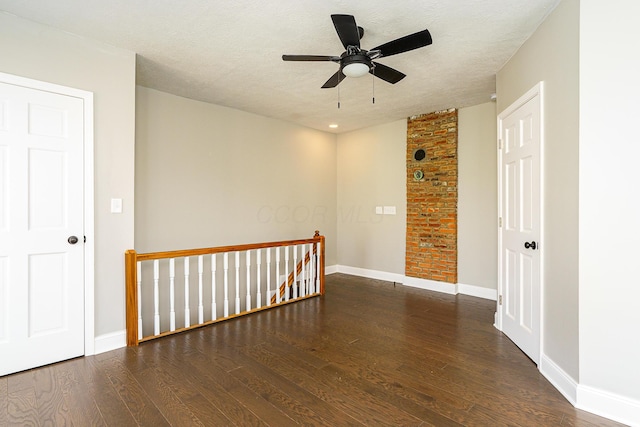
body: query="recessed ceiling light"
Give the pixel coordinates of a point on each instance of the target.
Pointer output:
(333, 126)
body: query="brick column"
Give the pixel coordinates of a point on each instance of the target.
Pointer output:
(432, 200)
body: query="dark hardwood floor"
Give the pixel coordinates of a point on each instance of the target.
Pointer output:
(367, 353)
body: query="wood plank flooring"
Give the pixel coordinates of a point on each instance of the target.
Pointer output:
(367, 353)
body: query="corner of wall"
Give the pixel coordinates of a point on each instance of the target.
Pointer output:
(609, 405)
(110, 341)
(562, 381)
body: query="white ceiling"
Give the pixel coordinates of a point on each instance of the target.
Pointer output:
(230, 52)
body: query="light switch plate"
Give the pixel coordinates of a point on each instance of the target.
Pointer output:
(389, 210)
(379, 210)
(116, 206)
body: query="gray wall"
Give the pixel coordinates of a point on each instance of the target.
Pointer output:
(372, 172)
(609, 208)
(209, 176)
(34, 51)
(551, 55)
(477, 196)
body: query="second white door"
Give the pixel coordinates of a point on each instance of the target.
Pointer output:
(519, 241)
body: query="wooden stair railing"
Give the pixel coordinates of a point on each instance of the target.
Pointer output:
(163, 275)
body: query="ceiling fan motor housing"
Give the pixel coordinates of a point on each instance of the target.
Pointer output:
(358, 58)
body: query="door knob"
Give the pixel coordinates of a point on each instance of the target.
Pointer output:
(531, 245)
(72, 239)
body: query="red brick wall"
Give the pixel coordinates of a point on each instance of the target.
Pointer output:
(432, 201)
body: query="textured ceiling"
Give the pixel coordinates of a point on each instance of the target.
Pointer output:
(229, 52)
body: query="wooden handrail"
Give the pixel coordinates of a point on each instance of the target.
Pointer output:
(222, 249)
(131, 277)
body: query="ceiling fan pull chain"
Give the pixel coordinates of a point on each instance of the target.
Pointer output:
(373, 84)
(338, 87)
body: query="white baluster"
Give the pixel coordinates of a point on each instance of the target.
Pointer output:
(303, 282)
(200, 306)
(311, 270)
(248, 280)
(295, 271)
(213, 287)
(187, 312)
(156, 297)
(237, 282)
(226, 284)
(139, 285)
(318, 267)
(172, 294)
(258, 293)
(268, 277)
(278, 299)
(286, 273)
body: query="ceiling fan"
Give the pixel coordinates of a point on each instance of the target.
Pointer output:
(355, 61)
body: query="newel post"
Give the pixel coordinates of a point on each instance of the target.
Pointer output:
(321, 259)
(131, 294)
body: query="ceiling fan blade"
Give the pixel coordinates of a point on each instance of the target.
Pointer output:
(310, 58)
(387, 73)
(347, 30)
(406, 43)
(334, 80)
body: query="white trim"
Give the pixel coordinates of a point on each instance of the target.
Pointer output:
(110, 341)
(609, 405)
(89, 231)
(332, 269)
(430, 285)
(87, 101)
(562, 381)
(371, 274)
(478, 291)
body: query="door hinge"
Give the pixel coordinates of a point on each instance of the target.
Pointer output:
(500, 222)
(85, 239)
(499, 143)
(500, 300)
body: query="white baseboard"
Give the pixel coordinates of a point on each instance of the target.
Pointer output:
(330, 269)
(370, 274)
(429, 285)
(110, 341)
(609, 405)
(562, 381)
(605, 404)
(478, 291)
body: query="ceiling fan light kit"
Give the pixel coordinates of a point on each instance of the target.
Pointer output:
(355, 69)
(355, 61)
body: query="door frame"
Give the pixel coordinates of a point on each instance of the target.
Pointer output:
(88, 193)
(535, 91)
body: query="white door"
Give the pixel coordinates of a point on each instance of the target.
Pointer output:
(41, 216)
(519, 235)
